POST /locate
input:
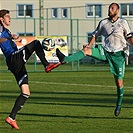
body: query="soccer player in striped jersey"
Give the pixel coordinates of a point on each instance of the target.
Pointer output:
(16, 59)
(116, 34)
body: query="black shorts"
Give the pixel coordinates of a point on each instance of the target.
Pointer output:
(16, 63)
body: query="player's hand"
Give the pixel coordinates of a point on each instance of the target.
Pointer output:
(16, 38)
(86, 45)
(19, 39)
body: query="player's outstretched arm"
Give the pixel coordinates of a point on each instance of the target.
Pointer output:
(92, 40)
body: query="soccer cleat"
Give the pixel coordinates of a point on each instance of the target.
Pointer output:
(117, 110)
(12, 122)
(61, 56)
(51, 66)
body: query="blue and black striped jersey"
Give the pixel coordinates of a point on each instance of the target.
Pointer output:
(9, 45)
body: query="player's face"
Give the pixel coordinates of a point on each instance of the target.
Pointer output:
(113, 11)
(6, 20)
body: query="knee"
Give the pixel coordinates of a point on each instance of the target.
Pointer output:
(27, 93)
(87, 51)
(37, 42)
(119, 83)
(37, 45)
(25, 89)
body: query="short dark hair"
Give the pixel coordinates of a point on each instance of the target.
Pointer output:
(3, 12)
(115, 4)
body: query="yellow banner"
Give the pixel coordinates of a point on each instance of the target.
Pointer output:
(60, 42)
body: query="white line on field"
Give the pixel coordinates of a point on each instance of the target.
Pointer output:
(91, 85)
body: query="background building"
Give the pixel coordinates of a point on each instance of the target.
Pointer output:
(75, 19)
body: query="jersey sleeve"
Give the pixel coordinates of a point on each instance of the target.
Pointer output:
(127, 30)
(98, 30)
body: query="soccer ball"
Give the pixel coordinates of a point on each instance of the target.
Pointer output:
(48, 44)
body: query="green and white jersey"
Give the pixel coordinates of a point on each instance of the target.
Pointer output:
(115, 34)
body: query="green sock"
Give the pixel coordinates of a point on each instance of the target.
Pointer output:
(120, 92)
(76, 56)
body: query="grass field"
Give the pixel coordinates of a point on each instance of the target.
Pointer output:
(68, 102)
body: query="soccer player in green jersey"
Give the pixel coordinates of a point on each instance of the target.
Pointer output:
(116, 34)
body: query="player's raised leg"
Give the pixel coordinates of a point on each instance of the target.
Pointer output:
(66, 59)
(37, 47)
